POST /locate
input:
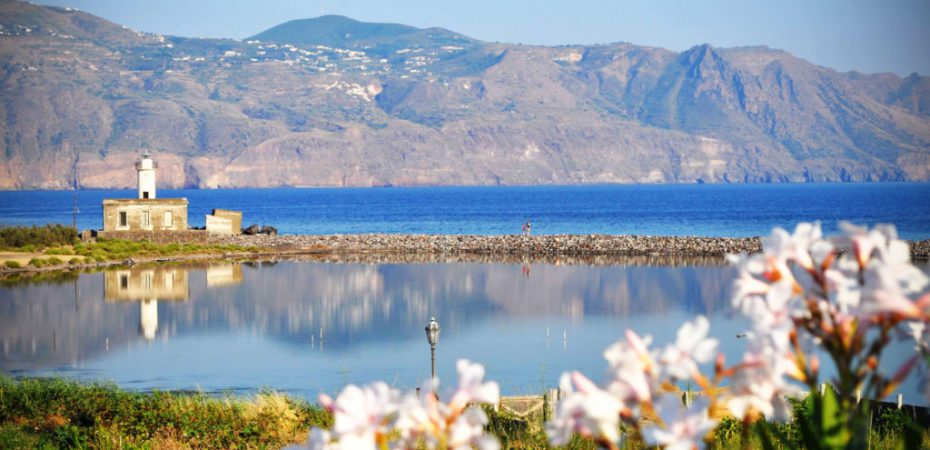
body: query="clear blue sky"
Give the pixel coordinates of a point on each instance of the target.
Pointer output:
(865, 35)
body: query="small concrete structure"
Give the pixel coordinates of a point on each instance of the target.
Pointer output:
(224, 222)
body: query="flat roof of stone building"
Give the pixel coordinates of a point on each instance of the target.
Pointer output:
(145, 201)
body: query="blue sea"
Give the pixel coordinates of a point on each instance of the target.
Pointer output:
(680, 210)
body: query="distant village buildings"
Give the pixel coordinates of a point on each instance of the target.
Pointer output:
(160, 219)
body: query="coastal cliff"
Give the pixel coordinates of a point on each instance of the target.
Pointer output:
(304, 104)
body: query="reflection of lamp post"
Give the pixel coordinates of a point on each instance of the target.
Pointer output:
(432, 335)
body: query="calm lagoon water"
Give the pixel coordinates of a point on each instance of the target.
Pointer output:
(696, 210)
(307, 327)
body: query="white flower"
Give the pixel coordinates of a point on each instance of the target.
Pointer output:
(472, 387)
(632, 370)
(862, 241)
(843, 284)
(468, 431)
(780, 248)
(684, 428)
(363, 413)
(376, 415)
(771, 315)
(896, 258)
(884, 292)
(759, 387)
(691, 347)
(747, 289)
(797, 246)
(584, 409)
(414, 420)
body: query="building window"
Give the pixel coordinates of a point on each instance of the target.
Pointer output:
(146, 220)
(169, 219)
(124, 281)
(123, 219)
(145, 194)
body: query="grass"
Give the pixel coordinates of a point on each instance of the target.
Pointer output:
(38, 262)
(53, 413)
(107, 249)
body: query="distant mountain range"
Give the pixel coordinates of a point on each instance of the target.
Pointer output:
(332, 101)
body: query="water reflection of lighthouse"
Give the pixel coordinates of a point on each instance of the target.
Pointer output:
(146, 286)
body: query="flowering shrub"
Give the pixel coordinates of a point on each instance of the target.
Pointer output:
(377, 416)
(805, 297)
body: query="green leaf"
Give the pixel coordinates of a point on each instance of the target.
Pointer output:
(834, 433)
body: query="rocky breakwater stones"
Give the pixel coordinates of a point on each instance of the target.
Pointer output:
(547, 245)
(920, 250)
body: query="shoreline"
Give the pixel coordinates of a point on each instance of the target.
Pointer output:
(594, 249)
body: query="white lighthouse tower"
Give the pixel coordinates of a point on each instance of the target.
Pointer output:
(146, 169)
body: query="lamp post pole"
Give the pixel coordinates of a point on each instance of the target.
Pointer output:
(432, 336)
(432, 357)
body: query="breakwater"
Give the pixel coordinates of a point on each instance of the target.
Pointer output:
(594, 244)
(516, 245)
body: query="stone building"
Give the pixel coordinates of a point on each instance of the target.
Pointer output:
(147, 212)
(160, 219)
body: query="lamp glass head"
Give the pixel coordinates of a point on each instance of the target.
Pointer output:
(432, 331)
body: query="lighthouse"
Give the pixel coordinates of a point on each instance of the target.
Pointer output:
(138, 218)
(146, 170)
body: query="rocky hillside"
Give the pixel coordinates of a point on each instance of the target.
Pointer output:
(335, 102)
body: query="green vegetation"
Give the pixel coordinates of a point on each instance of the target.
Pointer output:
(75, 261)
(29, 239)
(891, 429)
(53, 261)
(52, 413)
(38, 263)
(107, 249)
(12, 264)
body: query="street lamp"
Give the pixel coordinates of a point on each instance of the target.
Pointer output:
(432, 335)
